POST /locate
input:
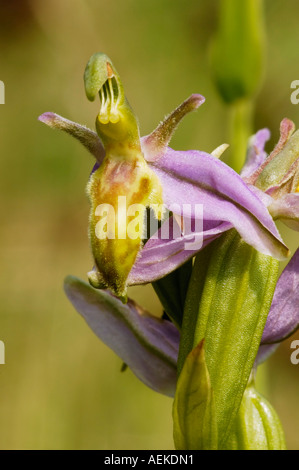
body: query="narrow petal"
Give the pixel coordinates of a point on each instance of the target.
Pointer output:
(256, 154)
(148, 345)
(160, 257)
(156, 143)
(287, 209)
(287, 128)
(283, 318)
(87, 137)
(195, 178)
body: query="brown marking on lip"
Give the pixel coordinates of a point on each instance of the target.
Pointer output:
(144, 189)
(109, 70)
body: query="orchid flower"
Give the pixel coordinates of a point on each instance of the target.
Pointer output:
(176, 178)
(277, 175)
(229, 200)
(282, 321)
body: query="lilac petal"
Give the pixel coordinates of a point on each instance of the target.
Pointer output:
(87, 137)
(256, 154)
(160, 257)
(283, 318)
(195, 178)
(264, 197)
(148, 345)
(287, 209)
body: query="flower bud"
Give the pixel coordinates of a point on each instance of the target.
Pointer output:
(257, 426)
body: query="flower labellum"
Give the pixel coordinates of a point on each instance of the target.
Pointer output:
(122, 187)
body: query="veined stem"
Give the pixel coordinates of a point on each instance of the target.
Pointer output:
(241, 130)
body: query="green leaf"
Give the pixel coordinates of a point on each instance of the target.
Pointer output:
(193, 408)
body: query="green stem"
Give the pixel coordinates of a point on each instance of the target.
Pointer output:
(241, 129)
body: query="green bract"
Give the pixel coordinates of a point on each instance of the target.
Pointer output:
(194, 406)
(228, 300)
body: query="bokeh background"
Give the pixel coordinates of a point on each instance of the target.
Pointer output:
(61, 388)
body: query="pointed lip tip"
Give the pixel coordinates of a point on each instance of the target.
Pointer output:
(285, 253)
(46, 117)
(287, 121)
(197, 99)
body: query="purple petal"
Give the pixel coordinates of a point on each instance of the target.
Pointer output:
(256, 154)
(286, 208)
(161, 256)
(283, 317)
(148, 345)
(196, 178)
(87, 137)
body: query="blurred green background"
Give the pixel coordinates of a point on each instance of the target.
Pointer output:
(61, 388)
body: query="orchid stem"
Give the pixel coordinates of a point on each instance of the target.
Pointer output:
(241, 129)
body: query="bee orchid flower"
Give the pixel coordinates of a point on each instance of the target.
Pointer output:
(282, 321)
(276, 175)
(149, 173)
